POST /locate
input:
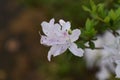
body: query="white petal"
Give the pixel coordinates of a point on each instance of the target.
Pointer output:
(55, 51)
(62, 22)
(76, 51)
(65, 25)
(117, 61)
(108, 38)
(43, 40)
(111, 49)
(62, 49)
(75, 35)
(103, 74)
(48, 27)
(51, 52)
(49, 41)
(91, 57)
(117, 71)
(52, 21)
(57, 30)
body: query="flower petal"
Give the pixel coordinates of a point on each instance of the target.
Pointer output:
(117, 71)
(56, 50)
(51, 52)
(75, 35)
(49, 41)
(52, 21)
(57, 30)
(103, 74)
(117, 61)
(76, 51)
(62, 49)
(65, 25)
(48, 27)
(45, 40)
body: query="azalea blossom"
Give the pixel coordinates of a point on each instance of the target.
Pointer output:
(108, 58)
(60, 37)
(112, 59)
(114, 56)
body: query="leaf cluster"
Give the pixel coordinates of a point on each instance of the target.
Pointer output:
(101, 19)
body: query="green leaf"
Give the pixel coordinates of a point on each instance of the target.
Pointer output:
(92, 45)
(90, 34)
(89, 28)
(101, 10)
(93, 6)
(107, 19)
(89, 24)
(117, 12)
(80, 44)
(112, 15)
(86, 8)
(100, 7)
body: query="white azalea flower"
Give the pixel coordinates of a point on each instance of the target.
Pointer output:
(107, 56)
(57, 36)
(113, 56)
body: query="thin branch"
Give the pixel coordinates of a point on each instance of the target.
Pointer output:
(94, 48)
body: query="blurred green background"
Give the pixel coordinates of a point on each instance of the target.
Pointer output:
(22, 57)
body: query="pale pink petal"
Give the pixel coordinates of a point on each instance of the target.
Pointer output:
(76, 51)
(45, 40)
(51, 52)
(75, 35)
(55, 51)
(65, 25)
(62, 49)
(52, 21)
(49, 41)
(57, 30)
(48, 27)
